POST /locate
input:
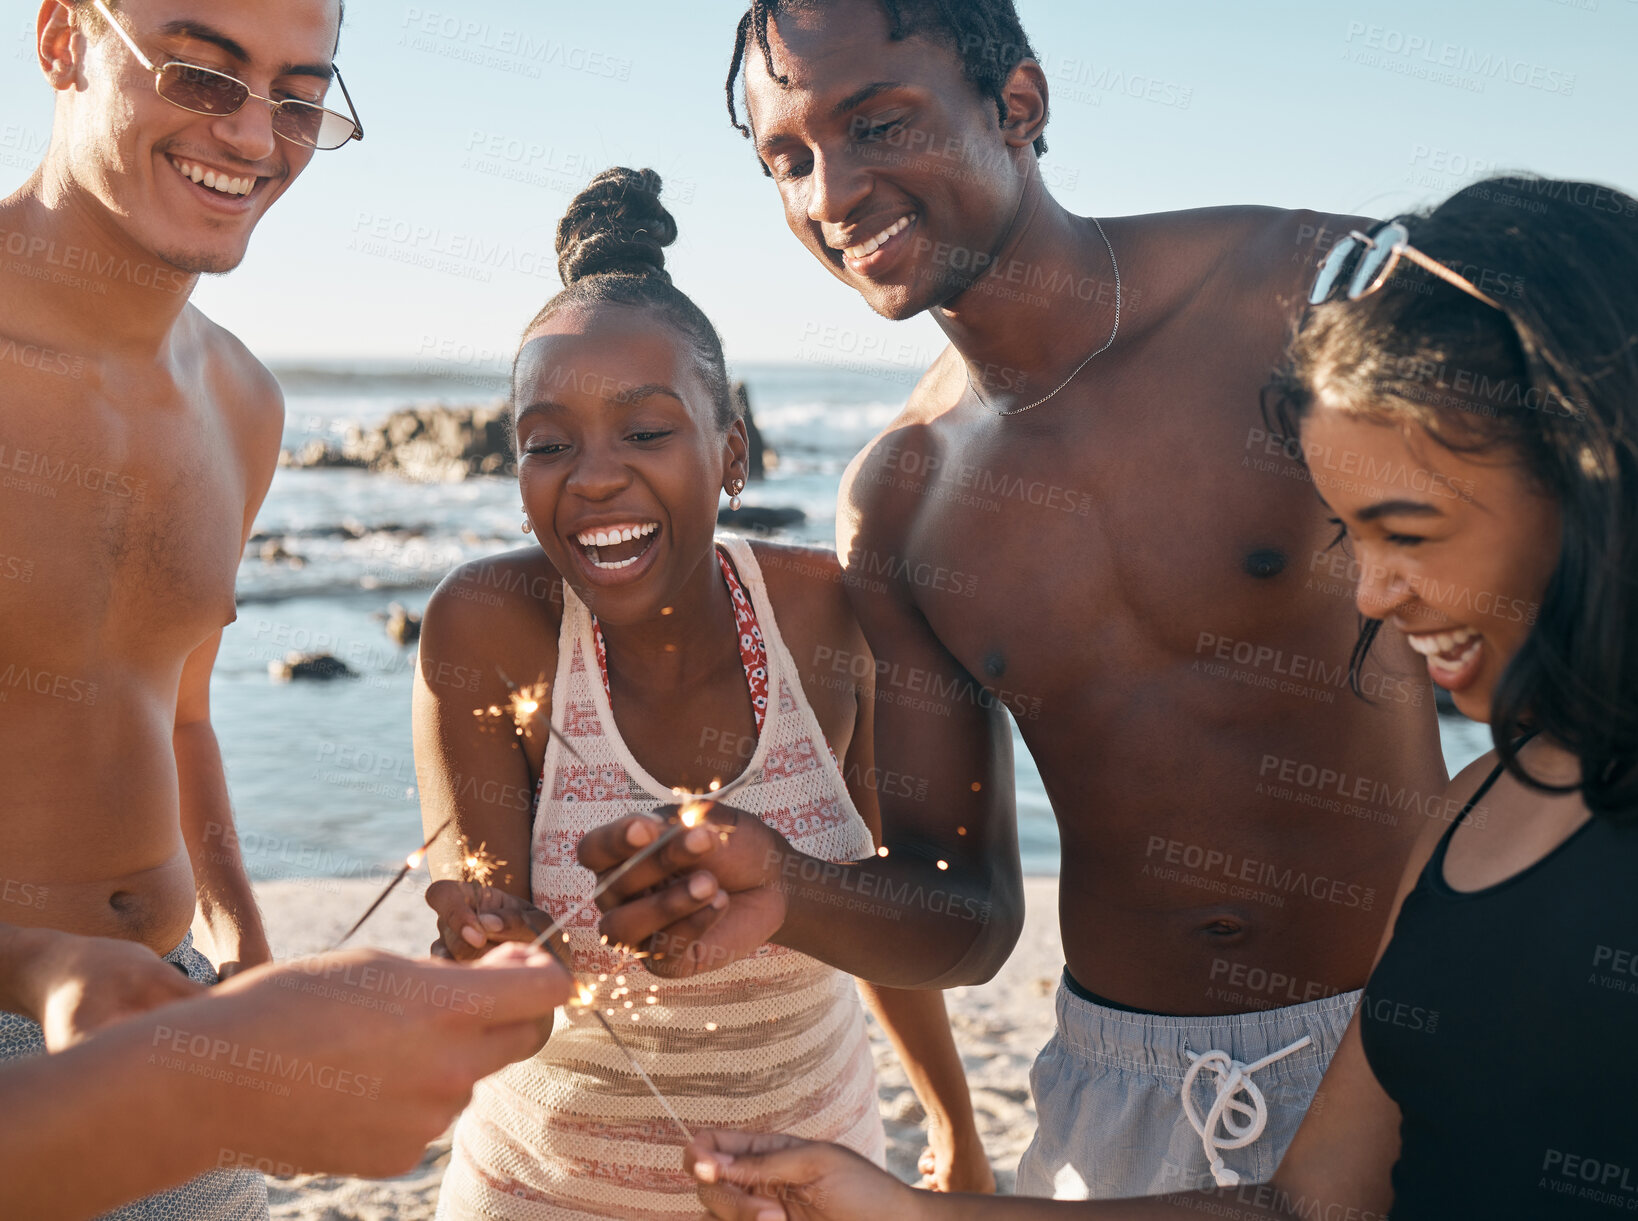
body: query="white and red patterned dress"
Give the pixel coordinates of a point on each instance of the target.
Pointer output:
(774, 1043)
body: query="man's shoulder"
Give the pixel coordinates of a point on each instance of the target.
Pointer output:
(244, 389)
(1248, 243)
(804, 584)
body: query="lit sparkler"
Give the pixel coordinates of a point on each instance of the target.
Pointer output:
(412, 861)
(585, 998)
(691, 815)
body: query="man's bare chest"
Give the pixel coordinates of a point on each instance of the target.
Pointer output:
(1048, 562)
(128, 524)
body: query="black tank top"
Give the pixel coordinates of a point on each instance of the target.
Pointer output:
(1504, 1022)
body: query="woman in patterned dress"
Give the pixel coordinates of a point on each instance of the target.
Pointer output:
(666, 659)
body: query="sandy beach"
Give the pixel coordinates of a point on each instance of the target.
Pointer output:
(998, 1027)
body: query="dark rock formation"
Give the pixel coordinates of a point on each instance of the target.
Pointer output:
(429, 444)
(761, 518)
(403, 626)
(761, 455)
(309, 665)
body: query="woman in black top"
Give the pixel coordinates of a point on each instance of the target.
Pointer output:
(1464, 390)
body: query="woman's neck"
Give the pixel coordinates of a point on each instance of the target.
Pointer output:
(685, 648)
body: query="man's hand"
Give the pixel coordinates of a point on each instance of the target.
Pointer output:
(746, 1177)
(709, 898)
(411, 1038)
(472, 917)
(82, 984)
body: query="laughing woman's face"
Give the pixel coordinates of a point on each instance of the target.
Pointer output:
(1453, 550)
(620, 457)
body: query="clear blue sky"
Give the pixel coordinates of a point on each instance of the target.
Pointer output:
(484, 117)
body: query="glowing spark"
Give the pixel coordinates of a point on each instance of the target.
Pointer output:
(944, 864)
(881, 851)
(714, 785)
(478, 865)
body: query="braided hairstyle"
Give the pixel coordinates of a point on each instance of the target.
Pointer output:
(986, 34)
(611, 251)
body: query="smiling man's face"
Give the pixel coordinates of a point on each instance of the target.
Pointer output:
(191, 188)
(892, 167)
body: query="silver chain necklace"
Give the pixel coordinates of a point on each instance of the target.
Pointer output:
(1115, 263)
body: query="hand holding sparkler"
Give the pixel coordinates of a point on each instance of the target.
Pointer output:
(473, 916)
(648, 887)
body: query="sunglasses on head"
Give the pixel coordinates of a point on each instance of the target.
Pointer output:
(1372, 258)
(206, 91)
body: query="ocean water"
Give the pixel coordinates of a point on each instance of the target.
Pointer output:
(323, 774)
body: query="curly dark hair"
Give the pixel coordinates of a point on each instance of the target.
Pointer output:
(1551, 381)
(985, 33)
(611, 251)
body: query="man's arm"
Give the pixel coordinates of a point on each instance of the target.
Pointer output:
(348, 1063)
(228, 919)
(944, 906)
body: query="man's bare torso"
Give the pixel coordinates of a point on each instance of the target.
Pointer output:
(1144, 581)
(123, 497)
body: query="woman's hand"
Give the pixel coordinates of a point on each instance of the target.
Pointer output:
(953, 1162)
(473, 917)
(707, 899)
(746, 1177)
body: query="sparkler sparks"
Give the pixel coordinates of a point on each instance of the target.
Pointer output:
(477, 865)
(585, 997)
(412, 861)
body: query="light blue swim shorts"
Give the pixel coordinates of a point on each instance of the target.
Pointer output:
(1109, 1096)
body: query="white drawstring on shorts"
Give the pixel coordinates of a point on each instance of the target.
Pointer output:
(1236, 1077)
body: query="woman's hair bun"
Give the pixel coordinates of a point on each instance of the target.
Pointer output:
(617, 224)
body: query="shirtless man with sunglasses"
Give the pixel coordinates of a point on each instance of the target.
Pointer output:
(137, 441)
